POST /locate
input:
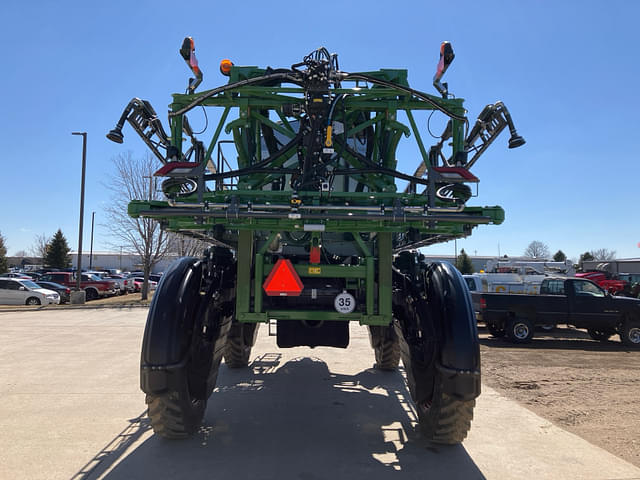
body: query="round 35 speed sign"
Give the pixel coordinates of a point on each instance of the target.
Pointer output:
(344, 303)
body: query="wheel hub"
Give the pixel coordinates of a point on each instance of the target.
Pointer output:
(520, 330)
(634, 334)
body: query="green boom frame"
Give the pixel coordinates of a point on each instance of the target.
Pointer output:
(250, 208)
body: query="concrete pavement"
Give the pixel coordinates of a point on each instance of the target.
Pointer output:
(71, 408)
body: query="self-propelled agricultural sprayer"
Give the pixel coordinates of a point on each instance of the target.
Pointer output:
(309, 231)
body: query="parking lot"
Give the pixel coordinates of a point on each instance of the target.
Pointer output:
(71, 408)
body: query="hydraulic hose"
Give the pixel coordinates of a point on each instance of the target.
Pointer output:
(416, 93)
(231, 86)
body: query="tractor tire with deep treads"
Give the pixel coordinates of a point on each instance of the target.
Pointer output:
(240, 340)
(386, 346)
(442, 417)
(178, 413)
(175, 414)
(187, 330)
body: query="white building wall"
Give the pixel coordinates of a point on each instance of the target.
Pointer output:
(620, 265)
(125, 261)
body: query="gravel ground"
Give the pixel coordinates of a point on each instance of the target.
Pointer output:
(589, 388)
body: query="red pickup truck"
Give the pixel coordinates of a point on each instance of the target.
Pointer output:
(604, 279)
(92, 285)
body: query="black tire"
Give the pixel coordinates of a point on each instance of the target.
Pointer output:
(600, 335)
(519, 330)
(91, 294)
(176, 414)
(240, 340)
(187, 328)
(630, 333)
(386, 346)
(33, 301)
(442, 418)
(496, 331)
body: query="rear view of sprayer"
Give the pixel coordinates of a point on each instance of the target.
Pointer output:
(308, 228)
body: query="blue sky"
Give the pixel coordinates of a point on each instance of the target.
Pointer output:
(568, 71)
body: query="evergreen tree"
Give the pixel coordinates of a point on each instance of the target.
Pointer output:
(586, 256)
(463, 263)
(559, 256)
(3, 255)
(57, 255)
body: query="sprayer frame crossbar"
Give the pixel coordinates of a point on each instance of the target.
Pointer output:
(245, 213)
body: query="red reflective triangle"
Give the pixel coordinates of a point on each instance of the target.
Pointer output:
(283, 280)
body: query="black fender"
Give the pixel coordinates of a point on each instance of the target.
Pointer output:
(168, 332)
(449, 300)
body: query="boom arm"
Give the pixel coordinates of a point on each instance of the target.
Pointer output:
(333, 150)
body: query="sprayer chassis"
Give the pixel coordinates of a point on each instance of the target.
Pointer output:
(315, 186)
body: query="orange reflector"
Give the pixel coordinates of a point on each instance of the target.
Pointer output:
(283, 281)
(225, 66)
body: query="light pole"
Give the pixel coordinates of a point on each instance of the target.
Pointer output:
(84, 168)
(93, 217)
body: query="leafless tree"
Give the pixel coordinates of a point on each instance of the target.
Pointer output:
(185, 246)
(603, 254)
(537, 249)
(39, 247)
(133, 180)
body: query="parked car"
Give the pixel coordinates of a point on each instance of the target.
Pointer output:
(571, 301)
(19, 291)
(17, 275)
(103, 275)
(155, 277)
(126, 285)
(64, 292)
(93, 286)
(138, 281)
